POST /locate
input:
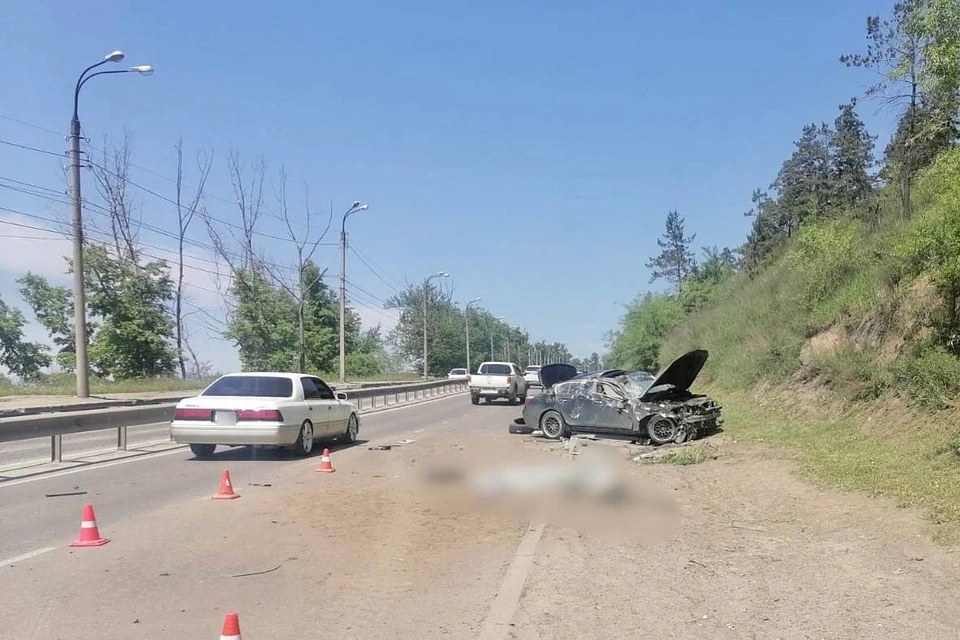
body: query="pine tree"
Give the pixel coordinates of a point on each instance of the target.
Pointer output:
(675, 261)
(851, 156)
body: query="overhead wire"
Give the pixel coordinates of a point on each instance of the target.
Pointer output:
(162, 197)
(62, 197)
(372, 270)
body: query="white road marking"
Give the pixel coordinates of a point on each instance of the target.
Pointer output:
(497, 624)
(25, 556)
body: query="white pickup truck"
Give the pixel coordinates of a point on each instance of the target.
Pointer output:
(498, 380)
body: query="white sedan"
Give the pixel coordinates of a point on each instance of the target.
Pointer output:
(276, 409)
(457, 374)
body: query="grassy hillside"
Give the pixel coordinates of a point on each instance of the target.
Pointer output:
(845, 347)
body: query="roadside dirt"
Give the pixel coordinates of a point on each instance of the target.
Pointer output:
(759, 553)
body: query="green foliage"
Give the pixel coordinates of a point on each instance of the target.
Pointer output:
(852, 372)
(490, 338)
(363, 365)
(262, 323)
(851, 156)
(19, 357)
(132, 299)
(701, 287)
(933, 245)
(53, 308)
(636, 345)
(931, 377)
(826, 256)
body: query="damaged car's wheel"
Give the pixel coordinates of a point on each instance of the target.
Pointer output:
(662, 429)
(552, 425)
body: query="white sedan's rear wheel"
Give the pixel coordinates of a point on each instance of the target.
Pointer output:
(203, 450)
(353, 428)
(304, 444)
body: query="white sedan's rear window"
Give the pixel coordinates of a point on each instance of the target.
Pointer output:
(251, 386)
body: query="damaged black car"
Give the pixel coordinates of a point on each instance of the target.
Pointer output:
(636, 404)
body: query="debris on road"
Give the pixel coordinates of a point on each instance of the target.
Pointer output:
(256, 573)
(380, 447)
(61, 495)
(406, 441)
(258, 484)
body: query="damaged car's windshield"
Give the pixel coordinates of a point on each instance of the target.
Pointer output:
(635, 383)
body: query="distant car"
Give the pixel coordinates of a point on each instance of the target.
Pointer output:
(532, 376)
(457, 374)
(660, 408)
(276, 409)
(498, 380)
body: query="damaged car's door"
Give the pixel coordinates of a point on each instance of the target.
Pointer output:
(613, 409)
(574, 400)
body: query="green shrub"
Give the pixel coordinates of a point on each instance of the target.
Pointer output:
(363, 365)
(855, 373)
(931, 378)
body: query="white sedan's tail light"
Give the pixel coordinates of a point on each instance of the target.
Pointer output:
(192, 414)
(260, 415)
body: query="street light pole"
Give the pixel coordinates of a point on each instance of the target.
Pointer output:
(466, 322)
(426, 285)
(493, 357)
(79, 295)
(343, 286)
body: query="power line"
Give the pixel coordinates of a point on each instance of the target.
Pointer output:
(29, 148)
(372, 270)
(362, 290)
(163, 197)
(30, 124)
(104, 212)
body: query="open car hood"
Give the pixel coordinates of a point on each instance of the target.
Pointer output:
(552, 374)
(681, 373)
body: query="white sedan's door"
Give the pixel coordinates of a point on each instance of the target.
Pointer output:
(317, 410)
(337, 414)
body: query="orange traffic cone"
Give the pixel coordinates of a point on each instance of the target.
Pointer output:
(231, 627)
(325, 465)
(225, 492)
(89, 532)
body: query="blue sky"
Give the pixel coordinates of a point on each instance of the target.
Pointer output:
(532, 151)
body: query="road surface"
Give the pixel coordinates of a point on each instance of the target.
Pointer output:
(391, 545)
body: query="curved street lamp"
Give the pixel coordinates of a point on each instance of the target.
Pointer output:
(79, 298)
(426, 285)
(354, 208)
(466, 322)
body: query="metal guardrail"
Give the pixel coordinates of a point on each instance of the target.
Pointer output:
(59, 423)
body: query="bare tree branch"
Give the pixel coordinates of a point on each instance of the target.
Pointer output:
(185, 216)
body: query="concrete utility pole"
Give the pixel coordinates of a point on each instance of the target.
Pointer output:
(343, 286)
(79, 295)
(426, 285)
(466, 315)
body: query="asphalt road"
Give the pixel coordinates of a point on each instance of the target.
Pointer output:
(124, 488)
(26, 452)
